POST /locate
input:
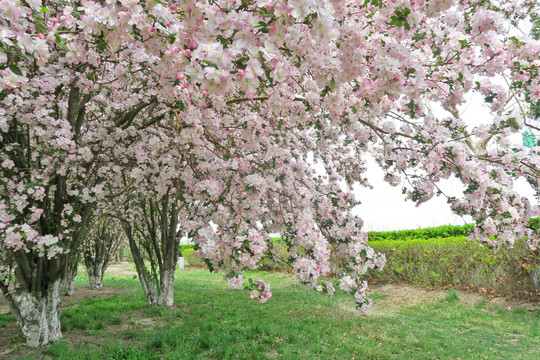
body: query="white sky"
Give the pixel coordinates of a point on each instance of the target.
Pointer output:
(384, 207)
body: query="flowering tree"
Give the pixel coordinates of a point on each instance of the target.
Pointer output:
(59, 136)
(152, 233)
(151, 223)
(99, 244)
(535, 33)
(250, 93)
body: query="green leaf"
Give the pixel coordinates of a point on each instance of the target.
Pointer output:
(332, 84)
(45, 9)
(58, 39)
(325, 91)
(15, 70)
(77, 14)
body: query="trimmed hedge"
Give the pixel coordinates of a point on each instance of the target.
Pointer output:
(438, 232)
(459, 261)
(185, 247)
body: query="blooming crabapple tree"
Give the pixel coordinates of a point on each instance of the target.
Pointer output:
(151, 229)
(100, 242)
(535, 33)
(251, 92)
(268, 187)
(155, 211)
(534, 105)
(60, 138)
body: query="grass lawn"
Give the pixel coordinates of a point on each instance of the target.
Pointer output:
(211, 321)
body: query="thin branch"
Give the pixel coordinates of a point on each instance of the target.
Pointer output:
(260, 98)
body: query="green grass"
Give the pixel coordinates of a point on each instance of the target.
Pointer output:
(94, 314)
(211, 321)
(5, 319)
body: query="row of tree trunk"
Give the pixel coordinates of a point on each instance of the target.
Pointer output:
(154, 242)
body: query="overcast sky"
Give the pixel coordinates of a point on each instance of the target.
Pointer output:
(384, 207)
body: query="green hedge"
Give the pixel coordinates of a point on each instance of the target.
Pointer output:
(185, 247)
(459, 261)
(437, 232)
(426, 233)
(190, 258)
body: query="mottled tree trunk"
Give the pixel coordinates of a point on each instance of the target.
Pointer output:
(68, 278)
(148, 288)
(170, 259)
(38, 316)
(144, 275)
(95, 275)
(166, 293)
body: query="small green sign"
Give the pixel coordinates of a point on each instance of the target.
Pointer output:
(529, 140)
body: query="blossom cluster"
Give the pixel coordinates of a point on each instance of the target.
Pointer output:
(262, 292)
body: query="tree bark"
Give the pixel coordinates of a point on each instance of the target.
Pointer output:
(171, 245)
(159, 238)
(144, 275)
(148, 288)
(68, 278)
(166, 293)
(38, 317)
(95, 274)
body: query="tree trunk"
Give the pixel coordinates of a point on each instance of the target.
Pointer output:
(144, 275)
(161, 243)
(95, 275)
(166, 293)
(38, 317)
(68, 279)
(148, 288)
(96, 271)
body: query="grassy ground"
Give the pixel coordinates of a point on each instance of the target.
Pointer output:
(211, 321)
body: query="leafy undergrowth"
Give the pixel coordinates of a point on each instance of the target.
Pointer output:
(458, 261)
(211, 321)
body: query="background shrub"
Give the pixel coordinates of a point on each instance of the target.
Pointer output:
(185, 247)
(437, 232)
(459, 261)
(270, 262)
(190, 258)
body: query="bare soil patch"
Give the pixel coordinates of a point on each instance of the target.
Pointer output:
(122, 269)
(394, 296)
